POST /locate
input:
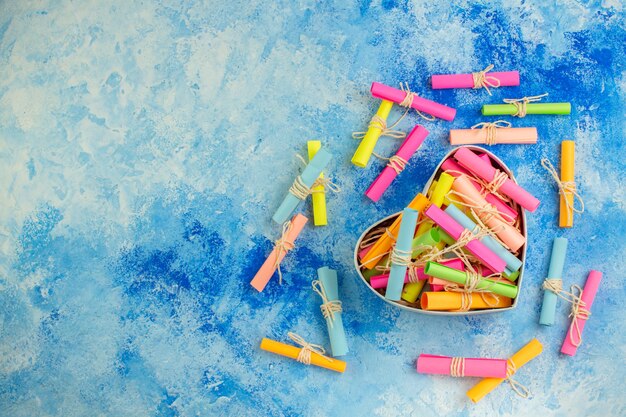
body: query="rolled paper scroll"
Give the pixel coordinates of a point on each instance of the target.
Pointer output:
(385, 242)
(581, 310)
(440, 190)
(530, 351)
(446, 301)
(512, 262)
(437, 284)
(553, 281)
(437, 270)
(302, 185)
(423, 241)
(487, 172)
(445, 238)
(456, 170)
(401, 255)
(283, 245)
(412, 290)
(294, 352)
(318, 196)
(531, 108)
(380, 281)
(397, 163)
(489, 79)
(511, 237)
(364, 251)
(331, 310)
(566, 200)
(384, 92)
(443, 186)
(461, 367)
(475, 247)
(513, 276)
(430, 238)
(489, 134)
(376, 127)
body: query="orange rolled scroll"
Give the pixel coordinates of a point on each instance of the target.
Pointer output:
(511, 237)
(384, 243)
(566, 212)
(272, 262)
(292, 352)
(444, 301)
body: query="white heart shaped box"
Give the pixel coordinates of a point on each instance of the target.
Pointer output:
(389, 219)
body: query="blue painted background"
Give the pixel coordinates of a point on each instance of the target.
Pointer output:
(145, 145)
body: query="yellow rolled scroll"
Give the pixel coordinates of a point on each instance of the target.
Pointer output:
(318, 196)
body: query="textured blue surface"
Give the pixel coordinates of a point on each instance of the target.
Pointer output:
(144, 146)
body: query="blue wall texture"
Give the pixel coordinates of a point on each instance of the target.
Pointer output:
(145, 145)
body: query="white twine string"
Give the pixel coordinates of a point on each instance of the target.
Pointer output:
(328, 307)
(408, 101)
(307, 348)
(482, 80)
(566, 189)
(516, 386)
(520, 103)
(379, 123)
(457, 367)
(301, 191)
(490, 129)
(397, 163)
(283, 246)
(579, 311)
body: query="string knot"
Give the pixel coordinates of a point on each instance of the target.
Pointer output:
(397, 163)
(520, 103)
(300, 189)
(516, 386)
(324, 183)
(457, 367)
(400, 257)
(408, 101)
(328, 307)
(282, 246)
(554, 285)
(567, 189)
(499, 178)
(490, 129)
(579, 312)
(307, 348)
(379, 123)
(482, 80)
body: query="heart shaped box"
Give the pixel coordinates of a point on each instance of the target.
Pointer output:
(389, 219)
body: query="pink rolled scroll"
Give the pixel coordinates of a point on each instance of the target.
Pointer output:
(364, 251)
(410, 145)
(487, 172)
(506, 79)
(380, 281)
(384, 92)
(454, 169)
(474, 246)
(274, 259)
(507, 233)
(574, 337)
(444, 365)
